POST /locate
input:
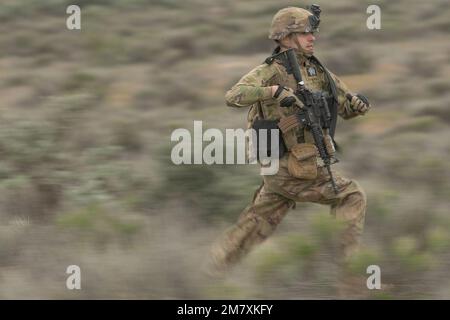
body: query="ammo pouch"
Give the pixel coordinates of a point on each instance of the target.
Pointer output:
(260, 124)
(329, 145)
(302, 161)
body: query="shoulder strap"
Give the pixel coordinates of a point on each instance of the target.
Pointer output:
(329, 78)
(334, 106)
(275, 52)
(259, 109)
(287, 59)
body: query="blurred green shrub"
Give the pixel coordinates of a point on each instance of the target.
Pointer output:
(214, 191)
(365, 257)
(326, 229)
(406, 249)
(349, 62)
(438, 239)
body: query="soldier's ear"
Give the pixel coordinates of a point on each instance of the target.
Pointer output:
(287, 41)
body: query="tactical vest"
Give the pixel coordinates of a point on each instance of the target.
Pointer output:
(316, 78)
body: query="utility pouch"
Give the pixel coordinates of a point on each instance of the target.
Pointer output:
(266, 147)
(302, 161)
(288, 123)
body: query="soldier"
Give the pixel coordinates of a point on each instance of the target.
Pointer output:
(300, 177)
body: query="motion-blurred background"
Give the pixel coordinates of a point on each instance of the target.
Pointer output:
(85, 171)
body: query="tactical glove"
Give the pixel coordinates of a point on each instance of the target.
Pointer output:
(358, 103)
(286, 97)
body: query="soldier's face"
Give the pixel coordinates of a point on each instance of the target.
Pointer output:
(306, 41)
(301, 41)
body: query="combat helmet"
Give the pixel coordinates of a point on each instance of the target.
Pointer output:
(292, 19)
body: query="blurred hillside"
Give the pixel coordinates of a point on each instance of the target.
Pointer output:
(85, 171)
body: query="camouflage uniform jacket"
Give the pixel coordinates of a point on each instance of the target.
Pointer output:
(253, 90)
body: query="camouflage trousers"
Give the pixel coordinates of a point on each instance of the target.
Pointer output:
(276, 196)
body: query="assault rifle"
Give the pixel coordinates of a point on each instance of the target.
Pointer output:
(313, 115)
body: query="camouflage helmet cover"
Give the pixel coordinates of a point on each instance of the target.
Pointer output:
(290, 20)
